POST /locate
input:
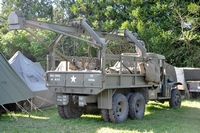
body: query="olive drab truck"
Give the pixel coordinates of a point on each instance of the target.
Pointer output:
(116, 85)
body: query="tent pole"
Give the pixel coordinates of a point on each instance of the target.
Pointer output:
(31, 104)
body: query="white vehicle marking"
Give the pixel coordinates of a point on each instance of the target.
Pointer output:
(73, 79)
(91, 79)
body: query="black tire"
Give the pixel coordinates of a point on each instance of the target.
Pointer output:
(128, 95)
(119, 111)
(61, 111)
(191, 95)
(136, 106)
(105, 115)
(175, 100)
(194, 95)
(72, 111)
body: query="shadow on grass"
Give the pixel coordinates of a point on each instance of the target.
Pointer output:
(157, 106)
(158, 118)
(20, 114)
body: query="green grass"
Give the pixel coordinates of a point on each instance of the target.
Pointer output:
(159, 118)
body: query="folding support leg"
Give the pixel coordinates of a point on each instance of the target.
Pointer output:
(9, 112)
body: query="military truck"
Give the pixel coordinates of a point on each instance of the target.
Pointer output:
(192, 80)
(116, 85)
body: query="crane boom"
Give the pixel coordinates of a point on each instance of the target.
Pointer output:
(16, 21)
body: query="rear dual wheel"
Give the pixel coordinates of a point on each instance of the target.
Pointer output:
(61, 111)
(69, 111)
(119, 111)
(105, 115)
(136, 106)
(132, 105)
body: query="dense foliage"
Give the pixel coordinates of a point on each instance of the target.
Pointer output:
(167, 27)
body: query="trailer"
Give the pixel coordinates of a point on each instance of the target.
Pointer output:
(116, 85)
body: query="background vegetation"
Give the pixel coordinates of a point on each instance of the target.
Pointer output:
(168, 27)
(159, 118)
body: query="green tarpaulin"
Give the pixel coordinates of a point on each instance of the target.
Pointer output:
(12, 88)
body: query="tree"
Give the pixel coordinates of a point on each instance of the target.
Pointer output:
(10, 42)
(167, 27)
(188, 17)
(158, 23)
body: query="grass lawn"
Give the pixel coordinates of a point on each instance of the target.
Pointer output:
(159, 118)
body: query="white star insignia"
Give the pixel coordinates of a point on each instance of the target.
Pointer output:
(73, 79)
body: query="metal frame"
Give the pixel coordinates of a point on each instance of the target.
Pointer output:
(16, 21)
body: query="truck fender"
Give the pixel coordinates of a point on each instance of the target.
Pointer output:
(174, 84)
(179, 86)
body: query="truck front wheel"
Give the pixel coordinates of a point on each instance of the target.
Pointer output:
(72, 111)
(136, 106)
(119, 111)
(175, 100)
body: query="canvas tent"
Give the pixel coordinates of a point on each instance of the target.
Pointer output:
(12, 88)
(192, 74)
(33, 76)
(63, 66)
